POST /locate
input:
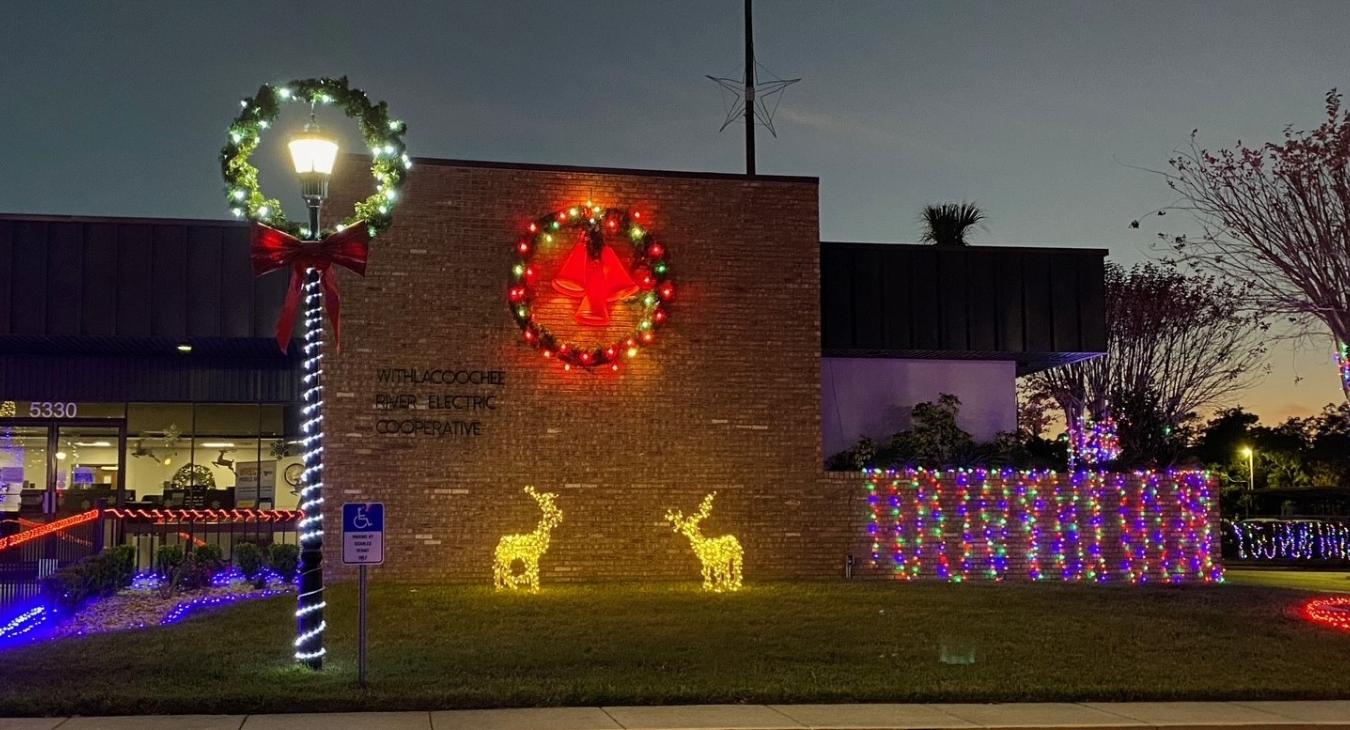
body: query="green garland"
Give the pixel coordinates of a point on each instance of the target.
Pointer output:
(384, 137)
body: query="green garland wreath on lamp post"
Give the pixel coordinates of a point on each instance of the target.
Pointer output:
(384, 136)
(276, 245)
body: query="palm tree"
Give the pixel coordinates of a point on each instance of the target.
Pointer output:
(946, 224)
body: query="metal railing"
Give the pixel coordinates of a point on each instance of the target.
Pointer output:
(41, 549)
(148, 530)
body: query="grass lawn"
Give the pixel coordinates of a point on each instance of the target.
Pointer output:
(1321, 581)
(458, 646)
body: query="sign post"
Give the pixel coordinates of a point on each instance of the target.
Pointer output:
(362, 545)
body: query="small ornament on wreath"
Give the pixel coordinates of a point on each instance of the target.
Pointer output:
(631, 278)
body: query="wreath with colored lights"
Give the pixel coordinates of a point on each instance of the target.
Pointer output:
(384, 137)
(593, 273)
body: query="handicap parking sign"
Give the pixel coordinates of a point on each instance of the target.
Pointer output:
(363, 533)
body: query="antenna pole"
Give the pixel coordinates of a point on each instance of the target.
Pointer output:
(749, 91)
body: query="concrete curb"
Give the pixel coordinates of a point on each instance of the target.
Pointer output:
(1320, 715)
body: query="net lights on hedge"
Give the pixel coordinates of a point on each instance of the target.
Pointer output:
(1054, 526)
(595, 275)
(526, 548)
(721, 557)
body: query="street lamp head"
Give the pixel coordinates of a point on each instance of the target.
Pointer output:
(313, 151)
(1246, 451)
(313, 154)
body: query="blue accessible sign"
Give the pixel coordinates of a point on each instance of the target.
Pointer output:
(363, 533)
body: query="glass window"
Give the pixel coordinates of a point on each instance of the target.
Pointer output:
(159, 451)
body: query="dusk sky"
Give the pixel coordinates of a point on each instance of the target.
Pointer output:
(1037, 111)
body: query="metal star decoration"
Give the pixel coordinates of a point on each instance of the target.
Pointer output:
(765, 96)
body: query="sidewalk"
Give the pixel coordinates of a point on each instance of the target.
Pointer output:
(1097, 715)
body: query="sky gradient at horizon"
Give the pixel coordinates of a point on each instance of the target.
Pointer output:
(1039, 111)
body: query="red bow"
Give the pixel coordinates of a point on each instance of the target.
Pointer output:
(273, 249)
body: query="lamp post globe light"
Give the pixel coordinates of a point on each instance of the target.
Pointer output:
(1251, 475)
(313, 154)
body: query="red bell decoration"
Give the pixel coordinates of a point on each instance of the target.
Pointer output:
(593, 273)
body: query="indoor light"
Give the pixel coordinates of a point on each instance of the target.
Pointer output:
(60, 456)
(94, 443)
(218, 445)
(185, 348)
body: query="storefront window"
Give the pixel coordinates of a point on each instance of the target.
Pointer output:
(176, 455)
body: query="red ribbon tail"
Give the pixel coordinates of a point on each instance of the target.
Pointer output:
(290, 306)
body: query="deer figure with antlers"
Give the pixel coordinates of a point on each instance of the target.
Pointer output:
(526, 548)
(721, 556)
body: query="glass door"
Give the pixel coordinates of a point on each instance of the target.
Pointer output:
(24, 473)
(87, 464)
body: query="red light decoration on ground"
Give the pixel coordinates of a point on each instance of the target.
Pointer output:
(594, 274)
(1333, 612)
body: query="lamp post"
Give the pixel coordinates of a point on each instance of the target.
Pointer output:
(313, 154)
(1251, 476)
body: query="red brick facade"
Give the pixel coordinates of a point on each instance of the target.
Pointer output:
(728, 399)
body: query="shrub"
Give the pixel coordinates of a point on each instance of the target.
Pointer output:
(210, 556)
(97, 575)
(284, 559)
(167, 558)
(249, 558)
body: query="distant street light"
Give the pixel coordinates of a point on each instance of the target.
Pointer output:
(1251, 475)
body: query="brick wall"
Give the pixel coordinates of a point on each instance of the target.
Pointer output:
(727, 400)
(986, 525)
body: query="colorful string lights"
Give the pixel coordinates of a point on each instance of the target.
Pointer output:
(1299, 540)
(526, 548)
(721, 557)
(1043, 525)
(1093, 443)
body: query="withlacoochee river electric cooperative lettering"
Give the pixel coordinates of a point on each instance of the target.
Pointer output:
(484, 401)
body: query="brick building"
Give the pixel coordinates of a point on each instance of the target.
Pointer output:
(778, 350)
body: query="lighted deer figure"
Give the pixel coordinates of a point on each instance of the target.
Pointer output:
(721, 556)
(526, 548)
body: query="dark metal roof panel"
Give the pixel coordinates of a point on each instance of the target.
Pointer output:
(1039, 306)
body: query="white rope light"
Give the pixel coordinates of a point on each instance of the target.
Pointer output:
(310, 605)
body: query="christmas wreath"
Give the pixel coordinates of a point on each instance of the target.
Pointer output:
(593, 273)
(384, 137)
(189, 475)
